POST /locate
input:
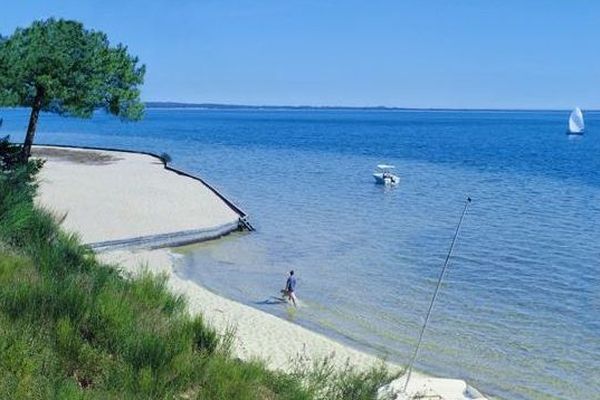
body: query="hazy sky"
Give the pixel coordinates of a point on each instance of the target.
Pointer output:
(497, 54)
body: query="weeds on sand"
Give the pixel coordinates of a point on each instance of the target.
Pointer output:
(327, 379)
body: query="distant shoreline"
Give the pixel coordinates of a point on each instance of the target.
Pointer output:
(153, 105)
(218, 106)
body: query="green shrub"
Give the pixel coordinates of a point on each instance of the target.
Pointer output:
(150, 290)
(204, 338)
(9, 154)
(165, 158)
(327, 381)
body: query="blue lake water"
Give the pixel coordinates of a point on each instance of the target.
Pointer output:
(519, 312)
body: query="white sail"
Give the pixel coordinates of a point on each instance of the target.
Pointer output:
(576, 121)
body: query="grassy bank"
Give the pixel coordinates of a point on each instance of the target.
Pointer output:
(72, 328)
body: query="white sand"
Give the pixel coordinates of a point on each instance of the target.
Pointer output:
(274, 340)
(130, 195)
(134, 196)
(258, 334)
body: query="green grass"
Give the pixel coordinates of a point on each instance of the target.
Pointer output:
(72, 328)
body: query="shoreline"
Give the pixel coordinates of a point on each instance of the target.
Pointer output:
(224, 313)
(166, 166)
(257, 334)
(99, 194)
(276, 341)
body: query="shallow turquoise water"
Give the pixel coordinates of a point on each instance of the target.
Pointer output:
(518, 315)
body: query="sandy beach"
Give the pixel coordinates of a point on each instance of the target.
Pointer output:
(129, 199)
(112, 196)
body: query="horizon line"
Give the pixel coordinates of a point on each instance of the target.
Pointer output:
(178, 104)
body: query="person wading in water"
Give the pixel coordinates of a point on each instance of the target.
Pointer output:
(290, 287)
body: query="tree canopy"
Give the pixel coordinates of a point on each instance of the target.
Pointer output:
(57, 65)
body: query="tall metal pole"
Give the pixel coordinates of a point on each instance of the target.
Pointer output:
(435, 293)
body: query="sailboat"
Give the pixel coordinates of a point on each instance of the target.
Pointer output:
(576, 125)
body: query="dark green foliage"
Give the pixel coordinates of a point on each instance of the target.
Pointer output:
(342, 383)
(166, 158)
(77, 70)
(72, 328)
(9, 154)
(17, 174)
(61, 67)
(204, 340)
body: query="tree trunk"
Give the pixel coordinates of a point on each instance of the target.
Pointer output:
(33, 120)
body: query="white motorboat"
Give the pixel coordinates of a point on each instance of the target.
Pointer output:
(576, 125)
(384, 176)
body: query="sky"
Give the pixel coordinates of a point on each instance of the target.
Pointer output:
(439, 54)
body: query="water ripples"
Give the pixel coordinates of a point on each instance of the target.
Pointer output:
(519, 311)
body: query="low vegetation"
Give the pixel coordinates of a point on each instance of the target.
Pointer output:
(72, 328)
(166, 158)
